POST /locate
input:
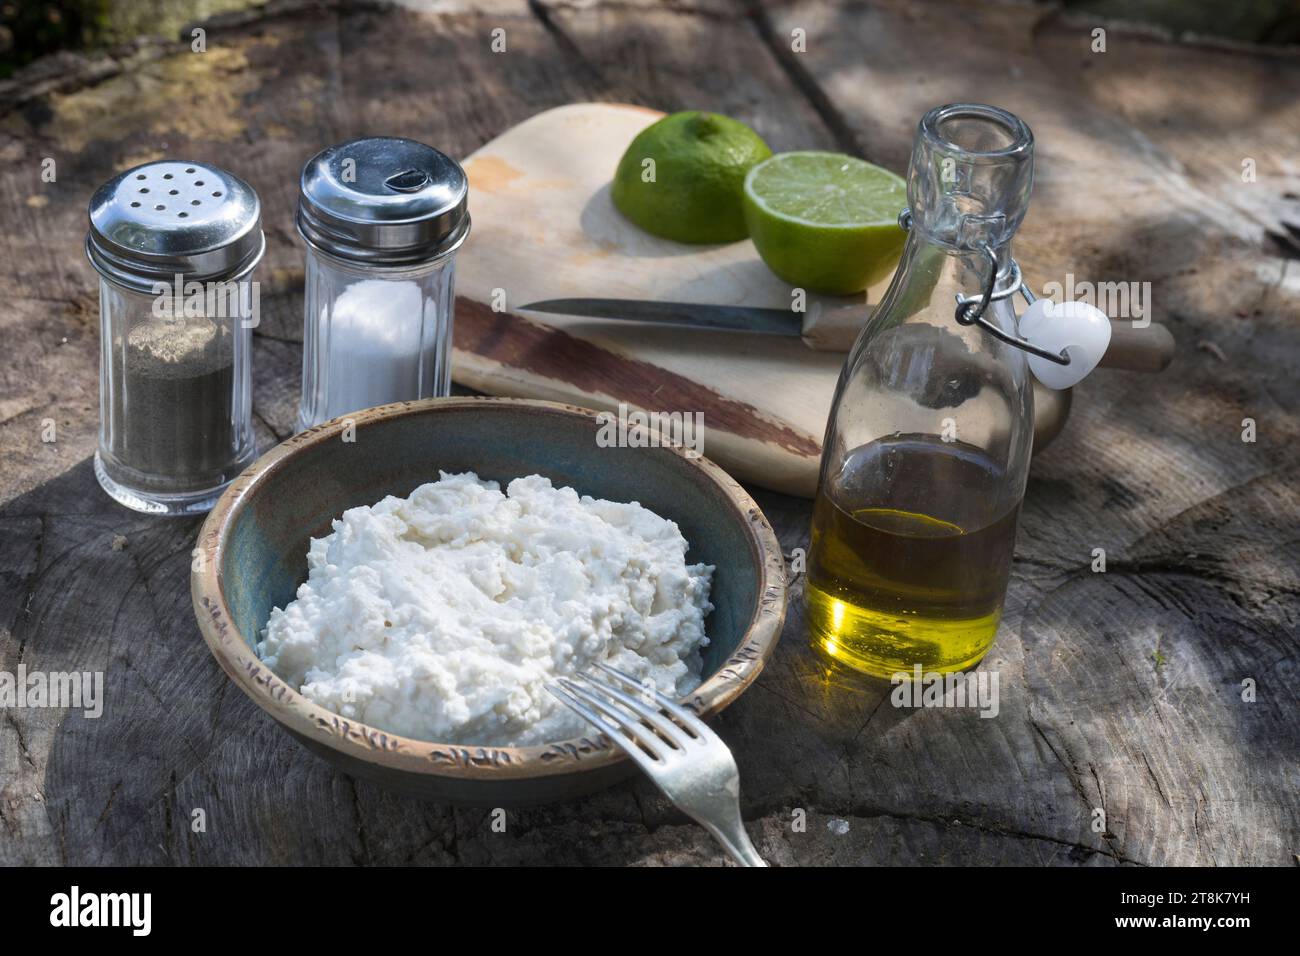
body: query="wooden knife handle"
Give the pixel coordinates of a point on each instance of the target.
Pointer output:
(1148, 349)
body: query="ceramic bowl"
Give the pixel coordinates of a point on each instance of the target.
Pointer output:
(252, 556)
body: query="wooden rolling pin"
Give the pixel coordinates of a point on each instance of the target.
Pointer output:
(1148, 349)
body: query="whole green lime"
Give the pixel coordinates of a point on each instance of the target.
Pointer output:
(683, 177)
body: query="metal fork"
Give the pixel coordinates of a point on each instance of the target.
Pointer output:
(685, 759)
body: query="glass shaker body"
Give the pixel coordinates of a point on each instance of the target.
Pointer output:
(373, 335)
(175, 401)
(927, 447)
(175, 245)
(382, 218)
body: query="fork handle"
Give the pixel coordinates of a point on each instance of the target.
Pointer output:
(736, 842)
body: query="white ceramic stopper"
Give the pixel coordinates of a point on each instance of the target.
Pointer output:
(1078, 329)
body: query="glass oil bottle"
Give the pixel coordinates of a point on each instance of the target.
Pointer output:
(928, 442)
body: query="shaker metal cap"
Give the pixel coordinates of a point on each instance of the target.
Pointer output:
(168, 218)
(383, 200)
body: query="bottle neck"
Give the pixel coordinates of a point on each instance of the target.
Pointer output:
(926, 257)
(930, 277)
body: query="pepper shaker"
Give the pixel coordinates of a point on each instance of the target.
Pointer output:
(175, 245)
(382, 219)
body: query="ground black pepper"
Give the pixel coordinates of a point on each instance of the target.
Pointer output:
(175, 405)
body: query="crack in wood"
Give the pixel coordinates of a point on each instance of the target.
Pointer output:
(565, 43)
(836, 122)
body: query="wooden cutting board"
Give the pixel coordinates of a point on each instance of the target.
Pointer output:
(544, 227)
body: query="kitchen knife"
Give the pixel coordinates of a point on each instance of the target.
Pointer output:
(1148, 349)
(730, 318)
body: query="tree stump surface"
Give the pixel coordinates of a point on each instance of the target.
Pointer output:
(1123, 737)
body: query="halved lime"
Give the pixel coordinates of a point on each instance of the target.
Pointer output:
(825, 222)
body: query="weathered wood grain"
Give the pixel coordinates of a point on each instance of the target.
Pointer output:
(1120, 691)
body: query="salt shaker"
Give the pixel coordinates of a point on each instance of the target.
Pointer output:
(382, 219)
(175, 244)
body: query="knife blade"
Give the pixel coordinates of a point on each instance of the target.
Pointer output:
(725, 318)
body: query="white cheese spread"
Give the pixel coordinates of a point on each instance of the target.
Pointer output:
(443, 616)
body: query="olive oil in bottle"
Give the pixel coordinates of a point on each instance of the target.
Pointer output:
(911, 551)
(928, 440)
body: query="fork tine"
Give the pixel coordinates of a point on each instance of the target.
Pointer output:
(626, 722)
(692, 722)
(566, 697)
(674, 734)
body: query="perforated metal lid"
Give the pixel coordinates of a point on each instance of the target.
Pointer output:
(156, 221)
(383, 200)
